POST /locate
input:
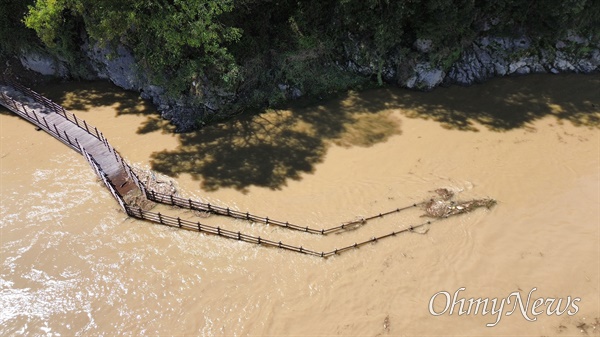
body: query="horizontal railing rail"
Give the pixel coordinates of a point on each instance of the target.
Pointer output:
(170, 221)
(53, 107)
(195, 205)
(39, 119)
(100, 173)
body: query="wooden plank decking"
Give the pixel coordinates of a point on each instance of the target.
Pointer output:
(119, 178)
(68, 129)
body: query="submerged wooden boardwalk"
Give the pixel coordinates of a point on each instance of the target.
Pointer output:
(67, 128)
(120, 178)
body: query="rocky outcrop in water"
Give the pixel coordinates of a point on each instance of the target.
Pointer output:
(489, 57)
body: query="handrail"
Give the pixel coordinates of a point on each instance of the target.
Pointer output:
(190, 204)
(40, 120)
(50, 105)
(239, 236)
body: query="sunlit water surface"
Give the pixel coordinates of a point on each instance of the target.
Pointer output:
(73, 264)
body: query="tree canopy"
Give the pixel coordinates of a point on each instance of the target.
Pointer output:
(249, 48)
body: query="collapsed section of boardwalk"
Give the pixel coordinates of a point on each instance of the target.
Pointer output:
(121, 180)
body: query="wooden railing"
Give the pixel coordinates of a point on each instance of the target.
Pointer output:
(51, 106)
(41, 122)
(109, 185)
(170, 221)
(195, 205)
(136, 212)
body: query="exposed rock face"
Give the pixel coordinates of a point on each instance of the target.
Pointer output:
(423, 45)
(121, 68)
(490, 57)
(487, 57)
(44, 64)
(118, 66)
(424, 76)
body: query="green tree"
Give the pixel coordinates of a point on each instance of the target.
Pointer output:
(177, 40)
(14, 36)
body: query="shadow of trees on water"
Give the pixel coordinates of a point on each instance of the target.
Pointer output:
(267, 149)
(504, 104)
(88, 95)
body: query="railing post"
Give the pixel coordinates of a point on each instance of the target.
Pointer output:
(24, 110)
(66, 135)
(172, 202)
(179, 222)
(86, 127)
(77, 123)
(46, 122)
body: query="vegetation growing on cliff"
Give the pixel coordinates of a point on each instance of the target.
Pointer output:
(14, 36)
(257, 53)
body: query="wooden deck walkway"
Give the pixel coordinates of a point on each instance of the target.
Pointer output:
(120, 179)
(69, 129)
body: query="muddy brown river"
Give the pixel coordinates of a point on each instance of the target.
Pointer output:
(72, 263)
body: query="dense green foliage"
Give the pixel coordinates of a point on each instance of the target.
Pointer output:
(248, 50)
(13, 33)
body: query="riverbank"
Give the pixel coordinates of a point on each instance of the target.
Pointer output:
(486, 57)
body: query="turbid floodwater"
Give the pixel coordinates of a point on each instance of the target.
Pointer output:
(73, 264)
